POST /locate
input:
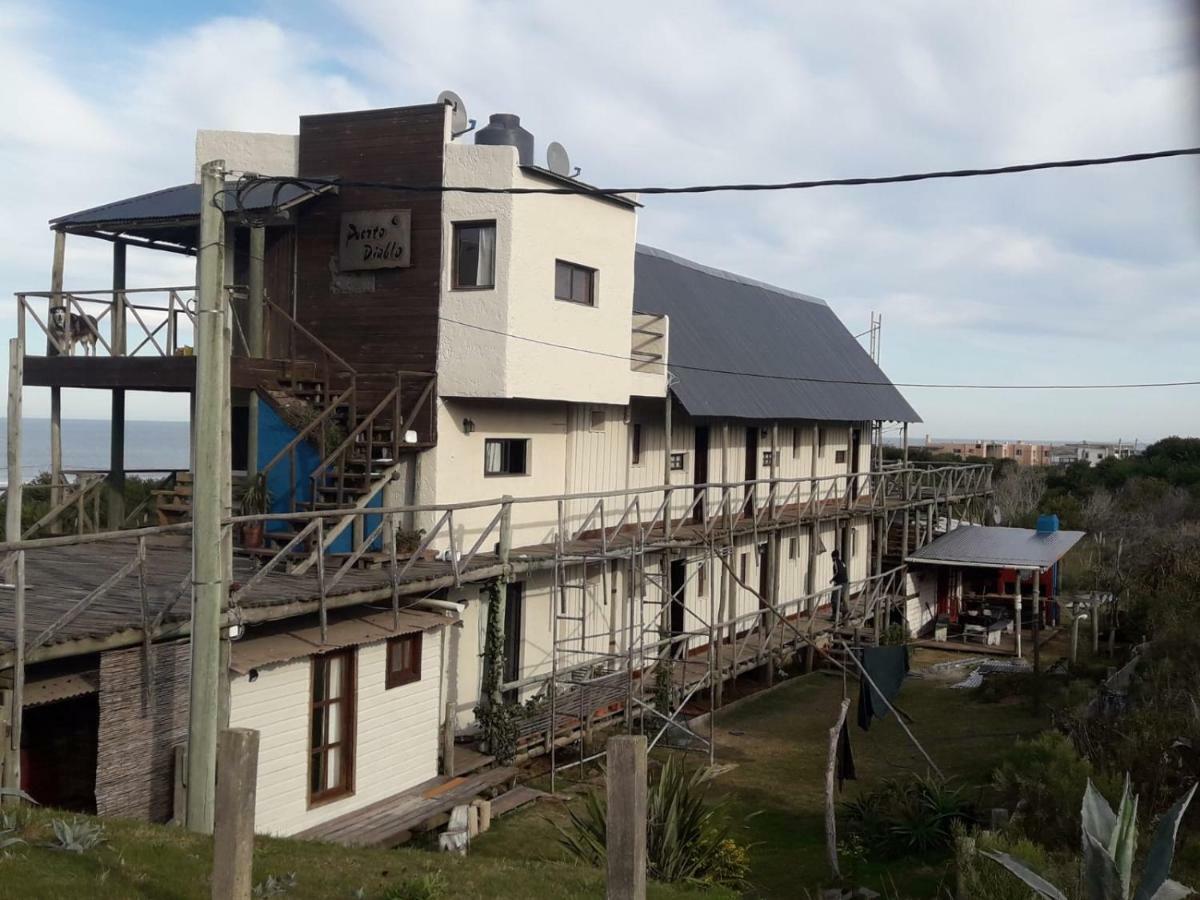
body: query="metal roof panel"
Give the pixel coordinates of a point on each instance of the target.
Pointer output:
(740, 348)
(996, 547)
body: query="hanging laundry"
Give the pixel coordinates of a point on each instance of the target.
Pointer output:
(887, 667)
(845, 757)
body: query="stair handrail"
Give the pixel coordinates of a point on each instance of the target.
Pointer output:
(367, 421)
(329, 410)
(271, 306)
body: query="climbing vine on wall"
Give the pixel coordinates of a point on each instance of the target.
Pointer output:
(499, 723)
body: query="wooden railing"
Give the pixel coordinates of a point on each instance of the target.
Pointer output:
(131, 322)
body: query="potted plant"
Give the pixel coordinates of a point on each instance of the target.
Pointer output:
(256, 501)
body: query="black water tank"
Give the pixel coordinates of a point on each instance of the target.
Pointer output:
(504, 129)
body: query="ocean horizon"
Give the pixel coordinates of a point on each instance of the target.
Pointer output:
(149, 445)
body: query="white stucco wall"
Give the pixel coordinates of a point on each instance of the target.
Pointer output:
(396, 744)
(248, 151)
(532, 231)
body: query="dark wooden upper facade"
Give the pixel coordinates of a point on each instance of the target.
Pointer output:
(381, 320)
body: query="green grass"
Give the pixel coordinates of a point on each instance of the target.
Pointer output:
(155, 861)
(779, 758)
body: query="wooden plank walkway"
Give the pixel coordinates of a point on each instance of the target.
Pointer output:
(392, 821)
(57, 578)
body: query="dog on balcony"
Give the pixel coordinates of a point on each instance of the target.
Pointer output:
(68, 329)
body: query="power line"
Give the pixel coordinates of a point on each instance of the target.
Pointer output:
(816, 380)
(251, 181)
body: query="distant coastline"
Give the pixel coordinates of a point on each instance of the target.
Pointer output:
(153, 445)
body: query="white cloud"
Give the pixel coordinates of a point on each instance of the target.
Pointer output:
(1091, 274)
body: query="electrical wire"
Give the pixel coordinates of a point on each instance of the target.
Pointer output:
(250, 181)
(817, 380)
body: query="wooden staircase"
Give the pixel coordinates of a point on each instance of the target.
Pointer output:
(361, 449)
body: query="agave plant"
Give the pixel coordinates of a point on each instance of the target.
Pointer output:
(76, 836)
(1109, 842)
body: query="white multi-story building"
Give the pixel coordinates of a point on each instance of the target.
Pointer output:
(613, 440)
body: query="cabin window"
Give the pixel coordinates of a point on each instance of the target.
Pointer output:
(403, 660)
(820, 441)
(796, 442)
(506, 456)
(770, 459)
(474, 257)
(702, 580)
(742, 563)
(678, 461)
(793, 545)
(839, 456)
(331, 731)
(635, 449)
(574, 283)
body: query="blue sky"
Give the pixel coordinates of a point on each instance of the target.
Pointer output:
(1086, 276)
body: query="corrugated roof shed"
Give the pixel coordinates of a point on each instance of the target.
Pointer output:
(998, 548)
(780, 354)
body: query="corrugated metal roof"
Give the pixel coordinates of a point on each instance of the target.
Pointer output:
(723, 321)
(998, 548)
(282, 646)
(61, 687)
(180, 202)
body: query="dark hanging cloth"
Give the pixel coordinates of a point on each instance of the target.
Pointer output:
(845, 757)
(887, 667)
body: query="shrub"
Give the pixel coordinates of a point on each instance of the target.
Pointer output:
(907, 816)
(1040, 780)
(979, 879)
(687, 838)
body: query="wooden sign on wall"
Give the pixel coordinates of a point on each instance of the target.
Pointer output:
(375, 239)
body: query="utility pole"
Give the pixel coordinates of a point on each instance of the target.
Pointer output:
(209, 585)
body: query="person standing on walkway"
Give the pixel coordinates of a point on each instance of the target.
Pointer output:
(840, 580)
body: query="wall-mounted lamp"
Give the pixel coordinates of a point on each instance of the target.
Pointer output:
(468, 426)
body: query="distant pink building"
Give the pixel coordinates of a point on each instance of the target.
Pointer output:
(1023, 453)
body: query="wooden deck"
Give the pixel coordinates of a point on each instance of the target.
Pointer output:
(59, 579)
(393, 820)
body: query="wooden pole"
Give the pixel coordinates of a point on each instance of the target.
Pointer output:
(16, 375)
(12, 532)
(1037, 644)
(1017, 614)
(254, 336)
(626, 827)
(830, 787)
(210, 587)
(56, 299)
(233, 835)
(116, 465)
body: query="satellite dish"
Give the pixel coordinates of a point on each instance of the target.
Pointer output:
(459, 123)
(557, 160)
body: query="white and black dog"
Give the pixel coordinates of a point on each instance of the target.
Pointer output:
(68, 329)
